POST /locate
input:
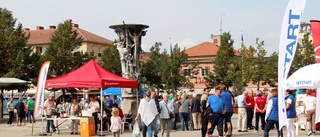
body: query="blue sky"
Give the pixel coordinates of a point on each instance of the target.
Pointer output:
(186, 22)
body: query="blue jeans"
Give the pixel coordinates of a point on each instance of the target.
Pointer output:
(184, 118)
(157, 120)
(174, 122)
(30, 114)
(269, 125)
(50, 123)
(146, 128)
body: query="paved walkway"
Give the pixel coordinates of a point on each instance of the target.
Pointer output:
(26, 130)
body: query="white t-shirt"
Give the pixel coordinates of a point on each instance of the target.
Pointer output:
(94, 106)
(310, 102)
(10, 106)
(48, 105)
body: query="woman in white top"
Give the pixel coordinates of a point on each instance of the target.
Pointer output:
(116, 123)
(148, 111)
(94, 107)
(309, 108)
(75, 109)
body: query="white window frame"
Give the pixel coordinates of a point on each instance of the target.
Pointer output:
(204, 72)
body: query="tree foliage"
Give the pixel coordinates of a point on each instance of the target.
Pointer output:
(17, 59)
(61, 51)
(172, 75)
(224, 63)
(110, 60)
(151, 70)
(304, 54)
(163, 70)
(257, 68)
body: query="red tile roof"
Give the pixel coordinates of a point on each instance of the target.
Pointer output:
(37, 37)
(144, 57)
(205, 49)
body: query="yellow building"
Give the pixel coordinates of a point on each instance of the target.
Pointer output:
(39, 39)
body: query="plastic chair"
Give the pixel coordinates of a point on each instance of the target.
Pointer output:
(124, 121)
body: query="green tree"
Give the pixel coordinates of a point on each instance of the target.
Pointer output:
(172, 74)
(17, 59)
(110, 60)
(224, 62)
(151, 70)
(256, 66)
(304, 54)
(260, 73)
(61, 51)
(271, 70)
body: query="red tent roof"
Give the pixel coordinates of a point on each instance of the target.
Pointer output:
(90, 74)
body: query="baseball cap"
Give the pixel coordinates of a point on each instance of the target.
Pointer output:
(51, 95)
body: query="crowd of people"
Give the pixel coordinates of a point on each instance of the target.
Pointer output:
(206, 112)
(24, 111)
(214, 111)
(112, 115)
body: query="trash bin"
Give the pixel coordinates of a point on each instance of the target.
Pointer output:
(87, 126)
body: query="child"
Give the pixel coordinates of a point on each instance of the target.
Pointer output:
(272, 114)
(116, 123)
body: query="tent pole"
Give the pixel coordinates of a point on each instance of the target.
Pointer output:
(101, 113)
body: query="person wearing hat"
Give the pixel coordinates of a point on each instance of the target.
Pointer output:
(48, 106)
(30, 105)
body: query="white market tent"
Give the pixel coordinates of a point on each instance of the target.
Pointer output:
(10, 81)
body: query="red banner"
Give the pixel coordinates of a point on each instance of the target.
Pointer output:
(315, 29)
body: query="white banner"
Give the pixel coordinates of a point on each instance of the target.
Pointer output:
(38, 109)
(317, 106)
(287, 48)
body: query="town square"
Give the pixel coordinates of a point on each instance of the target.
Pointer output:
(160, 68)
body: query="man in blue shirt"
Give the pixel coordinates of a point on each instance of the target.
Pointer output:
(218, 107)
(227, 98)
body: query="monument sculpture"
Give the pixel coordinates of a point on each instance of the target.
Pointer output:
(129, 47)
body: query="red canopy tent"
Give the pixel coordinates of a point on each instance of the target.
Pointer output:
(89, 75)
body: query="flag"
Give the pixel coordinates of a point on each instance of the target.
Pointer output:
(287, 48)
(242, 45)
(242, 41)
(38, 109)
(315, 29)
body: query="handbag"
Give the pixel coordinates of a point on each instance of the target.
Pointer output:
(171, 115)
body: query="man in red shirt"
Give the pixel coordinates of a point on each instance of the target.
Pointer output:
(260, 104)
(250, 107)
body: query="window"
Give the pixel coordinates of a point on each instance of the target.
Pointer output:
(187, 72)
(92, 48)
(43, 49)
(99, 51)
(204, 72)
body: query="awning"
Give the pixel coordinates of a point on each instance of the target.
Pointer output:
(10, 81)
